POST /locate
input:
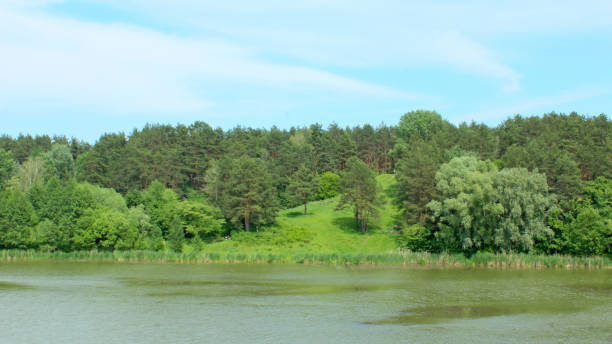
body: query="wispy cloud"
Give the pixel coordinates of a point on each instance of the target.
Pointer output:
(390, 33)
(123, 68)
(535, 105)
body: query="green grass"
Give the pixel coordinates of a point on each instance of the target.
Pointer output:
(322, 230)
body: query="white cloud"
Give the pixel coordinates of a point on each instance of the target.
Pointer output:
(127, 69)
(395, 33)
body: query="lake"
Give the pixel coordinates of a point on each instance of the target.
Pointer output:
(62, 302)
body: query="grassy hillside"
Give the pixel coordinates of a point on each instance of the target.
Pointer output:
(323, 229)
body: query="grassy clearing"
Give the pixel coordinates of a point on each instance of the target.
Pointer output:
(322, 230)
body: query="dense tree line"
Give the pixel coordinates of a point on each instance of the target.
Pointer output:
(540, 184)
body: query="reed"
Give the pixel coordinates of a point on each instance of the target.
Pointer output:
(485, 260)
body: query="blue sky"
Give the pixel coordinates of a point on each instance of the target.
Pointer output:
(82, 68)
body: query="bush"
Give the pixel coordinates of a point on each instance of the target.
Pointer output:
(415, 238)
(328, 185)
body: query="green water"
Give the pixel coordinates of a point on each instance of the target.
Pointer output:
(149, 303)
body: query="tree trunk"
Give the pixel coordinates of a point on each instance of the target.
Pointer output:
(305, 210)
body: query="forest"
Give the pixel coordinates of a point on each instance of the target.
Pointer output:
(539, 184)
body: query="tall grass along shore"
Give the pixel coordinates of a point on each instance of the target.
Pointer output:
(397, 258)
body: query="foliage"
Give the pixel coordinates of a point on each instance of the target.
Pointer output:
(7, 165)
(149, 235)
(59, 162)
(328, 185)
(584, 226)
(199, 220)
(205, 175)
(17, 218)
(250, 197)
(303, 185)
(416, 183)
(481, 208)
(30, 173)
(104, 228)
(359, 190)
(589, 233)
(419, 124)
(415, 238)
(526, 202)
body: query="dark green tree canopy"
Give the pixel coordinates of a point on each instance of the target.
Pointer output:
(250, 196)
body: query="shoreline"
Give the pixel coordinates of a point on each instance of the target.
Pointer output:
(402, 259)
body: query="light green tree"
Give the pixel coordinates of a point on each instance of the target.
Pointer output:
(7, 166)
(31, 172)
(481, 208)
(104, 228)
(17, 219)
(526, 202)
(58, 161)
(328, 185)
(466, 211)
(420, 124)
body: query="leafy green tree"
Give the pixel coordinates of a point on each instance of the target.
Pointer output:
(415, 238)
(176, 236)
(104, 228)
(149, 235)
(359, 190)
(526, 202)
(421, 124)
(47, 235)
(215, 179)
(583, 226)
(250, 197)
(62, 203)
(480, 208)
(192, 218)
(30, 173)
(7, 166)
(590, 233)
(199, 220)
(103, 197)
(599, 194)
(466, 211)
(17, 219)
(329, 182)
(59, 162)
(160, 203)
(303, 186)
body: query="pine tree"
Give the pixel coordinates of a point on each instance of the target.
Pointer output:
(359, 189)
(250, 197)
(415, 176)
(303, 185)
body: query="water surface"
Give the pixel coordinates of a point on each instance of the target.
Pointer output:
(150, 303)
